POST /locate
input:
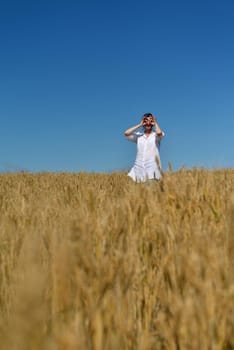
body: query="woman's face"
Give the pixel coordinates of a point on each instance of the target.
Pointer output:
(147, 122)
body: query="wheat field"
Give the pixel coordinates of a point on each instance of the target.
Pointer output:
(96, 262)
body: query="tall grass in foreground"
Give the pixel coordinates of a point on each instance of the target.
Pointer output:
(97, 262)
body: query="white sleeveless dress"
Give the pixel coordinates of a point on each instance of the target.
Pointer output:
(147, 165)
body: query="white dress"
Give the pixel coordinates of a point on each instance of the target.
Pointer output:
(147, 164)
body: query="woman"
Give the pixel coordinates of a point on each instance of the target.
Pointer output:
(147, 164)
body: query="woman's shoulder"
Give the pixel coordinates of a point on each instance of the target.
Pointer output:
(134, 136)
(139, 133)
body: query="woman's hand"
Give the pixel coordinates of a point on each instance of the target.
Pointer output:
(154, 122)
(143, 121)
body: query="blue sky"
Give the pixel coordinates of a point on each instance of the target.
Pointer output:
(76, 74)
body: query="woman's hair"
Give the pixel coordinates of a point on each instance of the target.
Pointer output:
(147, 115)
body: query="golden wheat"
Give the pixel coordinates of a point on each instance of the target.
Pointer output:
(95, 261)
